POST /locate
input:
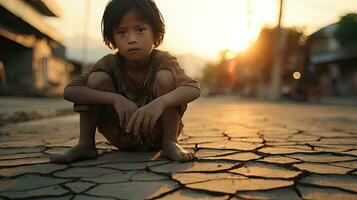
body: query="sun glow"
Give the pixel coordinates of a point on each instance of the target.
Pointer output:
(209, 31)
(203, 27)
(231, 67)
(239, 42)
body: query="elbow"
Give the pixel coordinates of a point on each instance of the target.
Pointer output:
(197, 93)
(67, 93)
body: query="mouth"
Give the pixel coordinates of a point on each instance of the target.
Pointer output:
(133, 50)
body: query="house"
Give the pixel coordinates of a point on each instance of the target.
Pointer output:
(32, 54)
(329, 65)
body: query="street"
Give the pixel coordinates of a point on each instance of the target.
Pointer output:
(247, 149)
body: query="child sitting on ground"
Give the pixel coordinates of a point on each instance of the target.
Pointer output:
(135, 97)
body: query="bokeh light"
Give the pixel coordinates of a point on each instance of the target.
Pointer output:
(297, 75)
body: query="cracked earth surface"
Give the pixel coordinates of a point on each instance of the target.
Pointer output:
(246, 150)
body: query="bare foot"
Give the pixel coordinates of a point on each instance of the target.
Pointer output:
(174, 151)
(78, 152)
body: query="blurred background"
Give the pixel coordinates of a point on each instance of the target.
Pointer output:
(303, 50)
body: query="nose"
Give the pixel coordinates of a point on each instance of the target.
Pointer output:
(132, 39)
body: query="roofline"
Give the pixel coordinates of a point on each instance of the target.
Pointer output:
(32, 17)
(52, 7)
(27, 41)
(320, 32)
(46, 7)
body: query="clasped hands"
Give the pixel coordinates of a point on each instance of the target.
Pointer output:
(134, 119)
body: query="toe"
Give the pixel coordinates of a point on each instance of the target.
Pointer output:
(56, 159)
(189, 156)
(184, 156)
(192, 155)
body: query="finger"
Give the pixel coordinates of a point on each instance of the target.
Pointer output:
(124, 118)
(152, 123)
(131, 122)
(146, 124)
(130, 113)
(138, 122)
(184, 156)
(192, 155)
(121, 119)
(127, 118)
(189, 156)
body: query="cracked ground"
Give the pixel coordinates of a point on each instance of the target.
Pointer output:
(246, 150)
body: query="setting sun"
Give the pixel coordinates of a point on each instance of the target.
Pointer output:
(238, 42)
(203, 28)
(208, 30)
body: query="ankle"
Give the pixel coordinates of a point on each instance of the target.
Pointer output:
(168, 143)
(88, 145)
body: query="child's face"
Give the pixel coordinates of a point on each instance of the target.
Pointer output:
(134, 38)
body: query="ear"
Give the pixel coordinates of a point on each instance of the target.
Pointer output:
(156, 39)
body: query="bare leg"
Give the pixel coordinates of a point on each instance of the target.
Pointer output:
(85, 149)
(170, 146)
(170, 120)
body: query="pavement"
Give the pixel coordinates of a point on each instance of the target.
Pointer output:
(18, 109)
(246, 150)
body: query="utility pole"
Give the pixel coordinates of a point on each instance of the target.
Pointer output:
(85, 33)
(275, 83)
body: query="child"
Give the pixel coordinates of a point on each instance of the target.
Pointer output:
(137, 96)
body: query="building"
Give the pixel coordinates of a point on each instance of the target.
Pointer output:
(254, 67)
(32, 54)
(328, 65)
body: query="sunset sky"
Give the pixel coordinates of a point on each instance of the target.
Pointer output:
(204, 27)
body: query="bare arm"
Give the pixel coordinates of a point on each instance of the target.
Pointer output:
(86, 95)
(149, 114)
(180, 95)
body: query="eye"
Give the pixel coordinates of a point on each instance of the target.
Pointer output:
(121, 33)
(141, 29)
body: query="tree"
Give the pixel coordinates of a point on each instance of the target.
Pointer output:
(346, 31)
(215, 76)
(265, 45)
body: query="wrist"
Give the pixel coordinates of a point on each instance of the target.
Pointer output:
(161, 100)
(114, 98)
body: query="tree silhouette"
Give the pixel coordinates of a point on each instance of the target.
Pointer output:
(346, 31)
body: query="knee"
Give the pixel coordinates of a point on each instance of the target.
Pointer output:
(100, 81)
(163, 82)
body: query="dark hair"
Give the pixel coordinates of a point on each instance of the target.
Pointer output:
(147, 11)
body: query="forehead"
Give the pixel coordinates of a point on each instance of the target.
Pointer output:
(131, 18)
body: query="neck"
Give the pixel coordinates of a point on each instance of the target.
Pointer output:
(137, 65)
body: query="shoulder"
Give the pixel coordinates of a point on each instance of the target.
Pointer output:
(161, 54)
(107, 59)
(107, 62)
(163, 59)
